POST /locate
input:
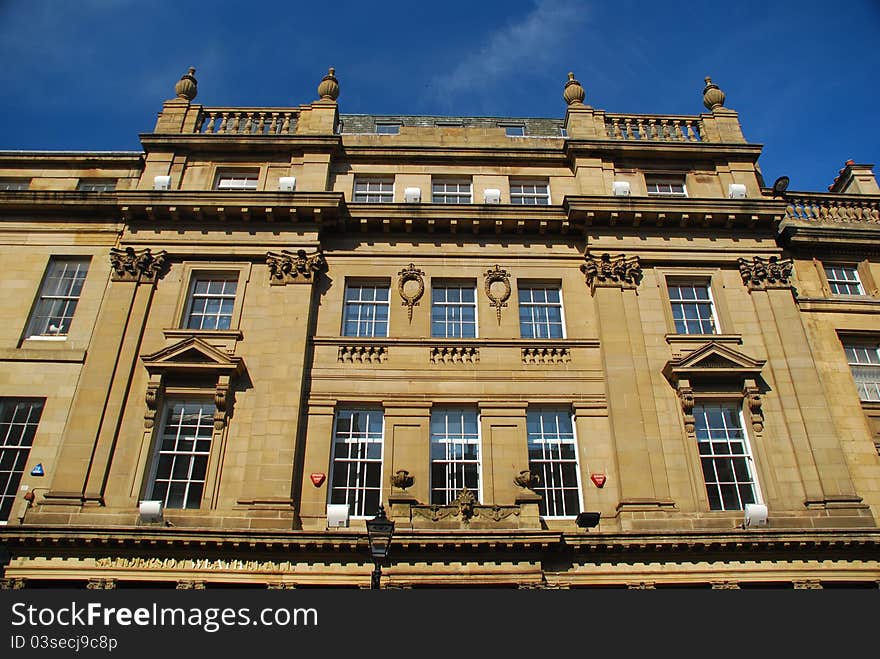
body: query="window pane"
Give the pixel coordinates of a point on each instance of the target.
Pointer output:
(357, 461)
(727, 475)
(212, 302)
(553, 456)
(455, 453)
(453, 311)
(59, 295)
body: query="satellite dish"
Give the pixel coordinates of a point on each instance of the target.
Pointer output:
(780, 185)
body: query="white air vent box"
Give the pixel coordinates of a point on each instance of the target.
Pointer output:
(337, 515)
(162, 183)
(150, 511)
(491, 196)
(755, 515)
(736, 191)
(412, 195)
(621, 188)
(287, 183)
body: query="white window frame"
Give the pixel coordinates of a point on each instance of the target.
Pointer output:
(519, 196)
(654, 184)
(356, 483)
(864, 364)
(364, 316)
(531, 305)
(227, 277)
(237, 180)
(844, 275)
(394, 127)
(694, 282)
(376, 190)
(203, 432)
(513, 130)
(16, 437)
(62, 301)
(547, 474)
(747, 455)
(454, 465)
(446, 305)
(452, 191)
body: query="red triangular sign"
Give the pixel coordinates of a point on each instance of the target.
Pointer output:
(317, 479)
(598, 479)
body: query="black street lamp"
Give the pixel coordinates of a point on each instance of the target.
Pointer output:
(379, 532)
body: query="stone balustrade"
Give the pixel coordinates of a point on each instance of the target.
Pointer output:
(654, 128)
(833, 208)
(246, 121)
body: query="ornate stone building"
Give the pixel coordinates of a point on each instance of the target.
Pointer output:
(273, 320)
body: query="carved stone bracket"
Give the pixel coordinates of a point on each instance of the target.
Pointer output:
(497, 289)
(761, 273)
(402, 479)
(136, 265)
(154, 391)
(288, 268)
(611, 271)
(222, 394)
(753, 399)
(526, 479)
(686, 395)
(101, 584)
(12, 584)
(187, 584)
(411, 287)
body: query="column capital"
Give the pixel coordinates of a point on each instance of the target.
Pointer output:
(607, 271)
(761, 274)
(137, 265)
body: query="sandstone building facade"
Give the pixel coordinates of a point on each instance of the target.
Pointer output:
(487, 325)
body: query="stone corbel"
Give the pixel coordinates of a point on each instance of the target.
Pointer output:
(619, 271)
(154, 391)
(753, 399)
(402, 479)
(222, 394)
(137, 265)
(686, 395)
(497, 289)
(288, 268)
(411, 287)
(760, 274)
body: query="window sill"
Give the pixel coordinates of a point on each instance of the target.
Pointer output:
(840, 303)
(39, 337)
(228, 334)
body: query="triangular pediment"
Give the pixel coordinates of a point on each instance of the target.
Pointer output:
(713, 359)
(191, 353)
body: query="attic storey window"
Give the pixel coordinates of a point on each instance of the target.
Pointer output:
(211, 302)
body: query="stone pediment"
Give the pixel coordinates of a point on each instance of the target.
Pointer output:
(192, 354)
(713, 359)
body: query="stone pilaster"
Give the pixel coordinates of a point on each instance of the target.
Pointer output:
(91, 429)
(505, 454)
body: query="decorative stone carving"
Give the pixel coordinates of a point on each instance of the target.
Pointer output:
(807, 584)
(136, 265)
(402, 479)
(761, 273)
(190, 585)
(573, 93)
(543, 356)
(187, 87)
(222, 394)
(154, 389)
(411, 287)
(713, 97)
(753, 401)
(455, 355)
(288, 268)
(497, 289)
(328, 89)
(725, 585)
(526, 479)
(362, 354)
(611, 271)
(12, 584)
(686, 395)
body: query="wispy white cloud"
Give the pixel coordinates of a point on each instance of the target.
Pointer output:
(526, 43)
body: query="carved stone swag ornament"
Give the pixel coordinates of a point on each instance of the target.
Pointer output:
(287, 268)
(619, 271)
(761, 273)
(498, 290)
(465, 507)
(137, 265)
(411, 287)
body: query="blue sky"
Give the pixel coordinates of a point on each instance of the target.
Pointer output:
(92, 74)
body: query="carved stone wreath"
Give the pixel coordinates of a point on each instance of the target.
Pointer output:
(411, 299)
(498, 301)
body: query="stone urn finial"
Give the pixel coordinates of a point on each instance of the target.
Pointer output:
(573, 93)
(527, 479)
(713, 97)
(187, 87)
(328, 89)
